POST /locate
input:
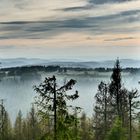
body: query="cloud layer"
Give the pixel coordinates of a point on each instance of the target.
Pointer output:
(94, 21)
(107, 1)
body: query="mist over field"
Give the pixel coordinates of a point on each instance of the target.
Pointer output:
(18, 92)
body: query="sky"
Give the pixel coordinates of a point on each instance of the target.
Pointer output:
(70, 29)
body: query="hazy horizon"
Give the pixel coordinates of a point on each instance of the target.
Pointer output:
(71, 59)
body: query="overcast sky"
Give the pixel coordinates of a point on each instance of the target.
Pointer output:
(70, 29)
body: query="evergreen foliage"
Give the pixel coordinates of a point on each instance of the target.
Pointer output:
(52, 102)
(117, 132)
(116, 112)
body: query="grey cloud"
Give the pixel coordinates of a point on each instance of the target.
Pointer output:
(21, 4)
(77, 8)
(40, 29)
(92, 4)
(93, 25)
(106, 1)
(119, 39)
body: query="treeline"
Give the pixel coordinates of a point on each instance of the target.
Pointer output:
(18, 71)
(115, 113)
(15, 71)
(35, 127)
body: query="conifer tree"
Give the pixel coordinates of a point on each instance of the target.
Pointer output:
(18, 127)
(102, 111)
(119, 95)
(33, 124)
(117, 132)
(134, 104)
(111, 102)
(86, 128)
(5, 124)
(52, 101)
(115, 87)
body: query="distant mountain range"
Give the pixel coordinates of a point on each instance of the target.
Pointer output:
(5, 63)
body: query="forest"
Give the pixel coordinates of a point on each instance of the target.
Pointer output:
(115, 116)
(13, 71)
